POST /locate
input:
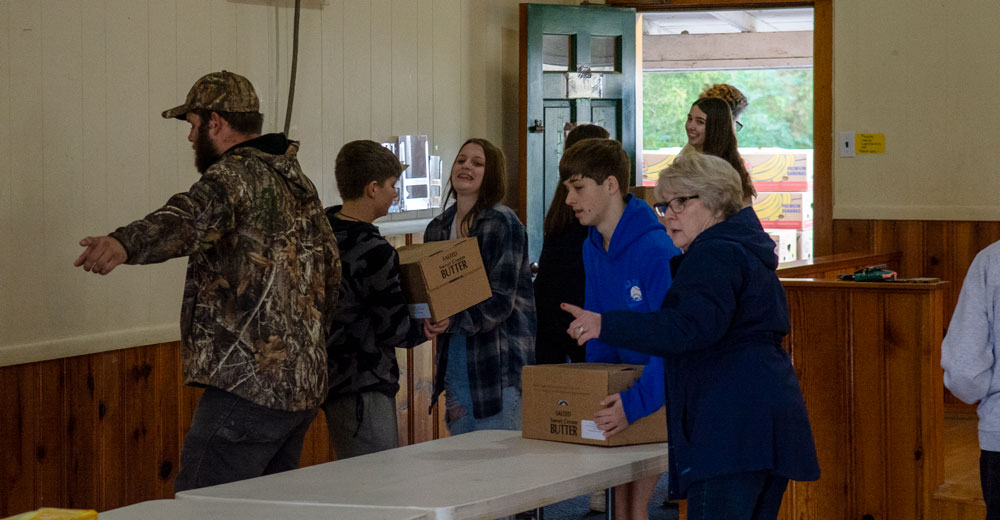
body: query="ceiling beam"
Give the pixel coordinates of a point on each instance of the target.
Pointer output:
(727, 51)
(700, 5)
(742, 21)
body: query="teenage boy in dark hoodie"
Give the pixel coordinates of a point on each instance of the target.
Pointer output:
(371, 320)
(626, 259)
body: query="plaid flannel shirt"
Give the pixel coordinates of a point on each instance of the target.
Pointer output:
(501, 330)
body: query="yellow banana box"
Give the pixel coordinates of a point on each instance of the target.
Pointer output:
(771, 169)
(779, 170)
(655, 162)
(784, 210)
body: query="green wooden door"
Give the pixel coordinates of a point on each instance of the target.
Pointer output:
(560, 45)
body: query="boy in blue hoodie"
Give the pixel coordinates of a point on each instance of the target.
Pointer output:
(626, 259)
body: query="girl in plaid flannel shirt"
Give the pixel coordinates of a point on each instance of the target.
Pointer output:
(481, 354)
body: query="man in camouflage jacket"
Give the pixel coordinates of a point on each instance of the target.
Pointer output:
(262, 279)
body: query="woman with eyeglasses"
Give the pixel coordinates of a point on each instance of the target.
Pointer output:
(711, 130)
(737, 425)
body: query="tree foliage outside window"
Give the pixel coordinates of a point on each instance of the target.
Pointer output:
(780, 113)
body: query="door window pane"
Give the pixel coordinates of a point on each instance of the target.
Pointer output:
(555, 52)
(604, 53)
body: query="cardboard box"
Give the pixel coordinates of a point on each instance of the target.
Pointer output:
(655, 162)
(559, 402)
(779, 170)
(785, 243)
(443, 278)
(805, 239)
(784, 210)
(771, 169)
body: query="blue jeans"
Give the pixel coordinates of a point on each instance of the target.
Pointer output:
(742, 496)
(233, 439)
(458, 397)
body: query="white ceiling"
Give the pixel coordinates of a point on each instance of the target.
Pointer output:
(715, 22)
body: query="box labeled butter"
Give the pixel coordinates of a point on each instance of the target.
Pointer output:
(440, 279)
(559, 402)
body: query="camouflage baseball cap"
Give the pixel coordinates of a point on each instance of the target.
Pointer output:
(219, 92)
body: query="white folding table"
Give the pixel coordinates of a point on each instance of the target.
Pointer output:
(484, 474)
(246, 510)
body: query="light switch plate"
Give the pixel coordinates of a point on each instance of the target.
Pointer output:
(846, 144)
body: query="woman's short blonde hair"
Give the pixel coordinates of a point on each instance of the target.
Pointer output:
(713, 179)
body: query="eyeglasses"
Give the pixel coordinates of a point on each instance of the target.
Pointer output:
(739, 126)
(675, 204)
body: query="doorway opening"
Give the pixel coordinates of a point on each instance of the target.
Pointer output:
(768, 55)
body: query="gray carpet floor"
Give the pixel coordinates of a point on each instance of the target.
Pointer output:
(579, 507)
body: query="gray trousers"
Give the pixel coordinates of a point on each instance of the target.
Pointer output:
(376, 431)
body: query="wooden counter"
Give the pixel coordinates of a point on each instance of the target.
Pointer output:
(828, 267)
(868, 359)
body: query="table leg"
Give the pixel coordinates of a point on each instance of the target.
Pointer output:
(609, 503)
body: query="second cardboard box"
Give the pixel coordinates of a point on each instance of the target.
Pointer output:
(559, 402)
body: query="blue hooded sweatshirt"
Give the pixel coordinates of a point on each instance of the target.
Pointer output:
(733, 400)
(633, 274)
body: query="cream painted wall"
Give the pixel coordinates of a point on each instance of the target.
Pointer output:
(84, 150)
(924, 73)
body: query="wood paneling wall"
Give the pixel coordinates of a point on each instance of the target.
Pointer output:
(105, 430)
(97, 431)
(868, 361)
(942, 249)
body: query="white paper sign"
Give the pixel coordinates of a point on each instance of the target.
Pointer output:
(420, 310)
(584, 85)
(589, 430)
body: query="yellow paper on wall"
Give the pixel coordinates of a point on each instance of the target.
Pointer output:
(53, 513)
(869, 143)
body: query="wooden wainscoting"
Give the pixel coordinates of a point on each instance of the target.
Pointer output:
(942, 249)
(96, 431)
(105, 430)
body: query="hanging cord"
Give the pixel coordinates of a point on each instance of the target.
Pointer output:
(295, 66)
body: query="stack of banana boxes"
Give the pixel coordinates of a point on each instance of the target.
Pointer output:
(784, 201)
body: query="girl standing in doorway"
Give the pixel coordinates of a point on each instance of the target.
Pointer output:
(711, 130)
